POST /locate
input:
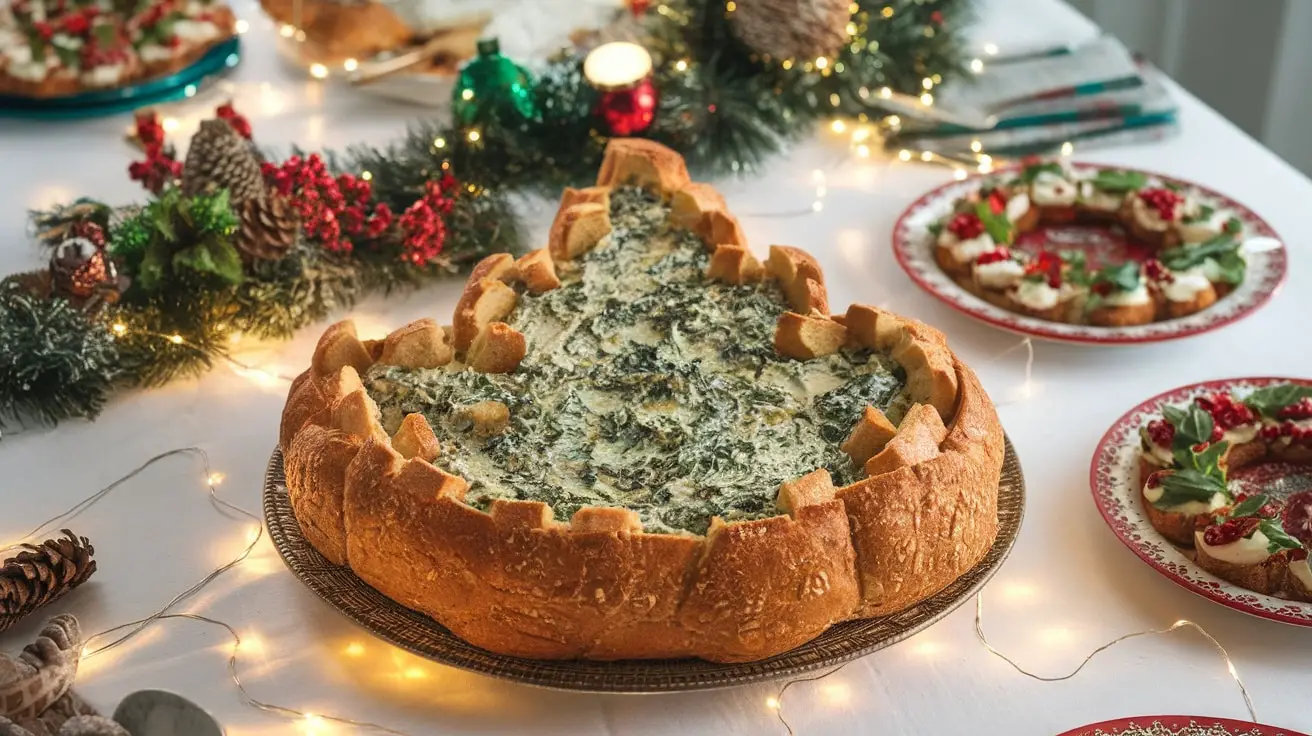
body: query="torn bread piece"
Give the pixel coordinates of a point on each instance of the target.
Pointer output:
(484, 301)
(734, 264)
(415, 438)
(644, 163)
(917, 440)
(812, 489)
(497, 349)
(420, 344)
(806, 337)
(870, 434)
(339, 346)
(577, 230)
(538, 271)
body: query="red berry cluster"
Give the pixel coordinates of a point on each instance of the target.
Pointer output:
(331, 208)
(238, 121)
(1155, 271)
(160, 167)
(994, 256)
(966, 226)
(1163, 200)
(1047, 265)
(1288, 429)
(1231, 530)
(1161, 432)
(1226, 412)
(423, 223)
(1302, 409)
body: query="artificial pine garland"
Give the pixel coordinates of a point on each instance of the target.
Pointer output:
(392, 217)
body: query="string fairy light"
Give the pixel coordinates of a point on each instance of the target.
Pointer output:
(1180, 624)
(251, 643)
(255, 373)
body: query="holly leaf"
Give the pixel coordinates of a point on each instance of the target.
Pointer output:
(150, 273)
(1248, 506)
(1030, 173)
(1234, 226)
(1122, 277)
(1187, 485)
(997, 225)
(1207, 462)
(935, 228)
(1277, 538)
(1205, 212)
(1192, 426)
(1271, 399)
(1185, 257)
(211, 256)
(1230, 267)
(1115, 180)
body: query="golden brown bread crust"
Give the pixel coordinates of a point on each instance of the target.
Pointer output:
(1266, 577)
(513, 580)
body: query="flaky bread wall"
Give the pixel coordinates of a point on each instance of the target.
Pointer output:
(514, 581)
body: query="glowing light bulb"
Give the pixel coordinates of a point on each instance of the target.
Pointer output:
(241, 26)
(927, 83)
(350, 65)
(467, 94)
(821, 62)
(318, 71)
(366, 175)
(354, 649)
(926, 156)
(215, 478)
(991, 49)
(927, 99)
(893, 120)
(959, 174)
(838, 126)
(863, 151)
(885, 92)
(617, 65)
(1067, 148)
(904, 154)
(474, 136)
(985, 159)
(170, 124)
(976, 146)
(175, 339)
(977, 65)
(681, 65)
(287, 31)
(772, 703)
(119, 328)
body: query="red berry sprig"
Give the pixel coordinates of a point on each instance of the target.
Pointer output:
(1161, 432)
(238, 121)
(423, 222)
(1232, 530)
(1048, 267)
(161, 167)
(1226, 412)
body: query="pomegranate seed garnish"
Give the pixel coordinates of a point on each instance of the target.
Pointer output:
(1161, 432)
(1163, 200)
(1157, 272)
(1300, 410)
(1155, 479)
(966, 226)
(994, 256)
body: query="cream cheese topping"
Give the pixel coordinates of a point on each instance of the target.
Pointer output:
(1018, 206)
(1133, 298)
(1158, 455)
(1240, 435)
(1301, 570)
(1185, 286)
(104, 76)
(195, 30)
(1036, 295)
(1153, 495)
(154, 52)
(1147, 217)
(966, 251)
(1205, 229)
(1000, 275)
(1250, 550)
(1052, 190)
(1098, 199)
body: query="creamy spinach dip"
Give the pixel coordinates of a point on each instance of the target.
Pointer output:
(649, 387)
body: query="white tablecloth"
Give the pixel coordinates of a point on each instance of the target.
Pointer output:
(1068, 586)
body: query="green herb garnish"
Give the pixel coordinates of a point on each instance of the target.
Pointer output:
(1030, 173)
(997, 225)
(1270, 400)
(1114, 180)
(1248, 507)
(1187, 485)
(1277, 538)
(1193, 426)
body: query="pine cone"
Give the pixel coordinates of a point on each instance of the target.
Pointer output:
(219, 158)
(41, 574)
(792, 29)
(269, 226)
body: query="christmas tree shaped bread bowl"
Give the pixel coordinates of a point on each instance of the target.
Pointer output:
(642, 441)
(1257, 540)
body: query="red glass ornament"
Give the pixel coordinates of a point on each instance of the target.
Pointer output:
(639, 7)
(630, 110)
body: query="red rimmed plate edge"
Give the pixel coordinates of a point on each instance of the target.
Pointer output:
(1105, 445)
(1239, 728)
(1035, 327)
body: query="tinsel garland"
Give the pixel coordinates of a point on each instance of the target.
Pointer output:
(722, 105)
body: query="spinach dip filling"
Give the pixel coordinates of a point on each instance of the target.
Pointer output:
(648, 387)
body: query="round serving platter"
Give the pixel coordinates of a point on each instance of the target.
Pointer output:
(184, 83)
(1114, 478)
(913, 245)
(1178, 726)
(421, 635)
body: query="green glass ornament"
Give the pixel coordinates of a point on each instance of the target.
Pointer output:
(491, 82)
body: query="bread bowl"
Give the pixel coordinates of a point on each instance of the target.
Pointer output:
(677, 453)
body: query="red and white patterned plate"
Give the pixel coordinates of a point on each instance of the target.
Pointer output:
(1114, 477)
(913, 245)
(1179, 726)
